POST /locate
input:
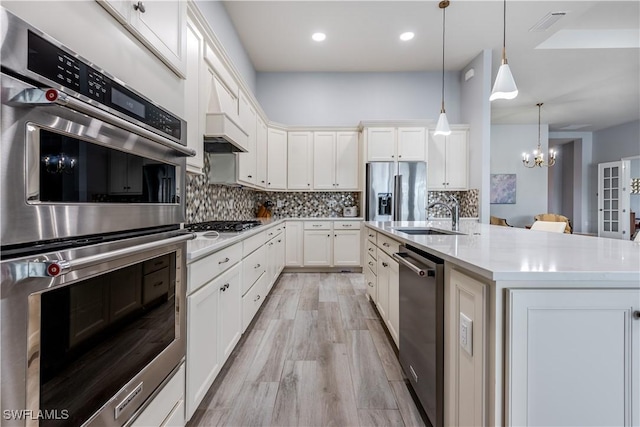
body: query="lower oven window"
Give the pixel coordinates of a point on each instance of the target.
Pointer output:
(97, 334)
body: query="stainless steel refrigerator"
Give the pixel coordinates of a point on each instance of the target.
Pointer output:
(396, 191)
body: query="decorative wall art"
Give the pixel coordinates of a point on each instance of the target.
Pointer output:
(503, 189)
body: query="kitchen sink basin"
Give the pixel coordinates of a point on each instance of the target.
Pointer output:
(424, 231)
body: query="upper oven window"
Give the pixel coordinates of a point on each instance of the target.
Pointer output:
(72, 170)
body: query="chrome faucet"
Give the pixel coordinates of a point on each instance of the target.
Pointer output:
(454, 211)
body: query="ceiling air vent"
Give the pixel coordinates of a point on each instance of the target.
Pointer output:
(547, 21)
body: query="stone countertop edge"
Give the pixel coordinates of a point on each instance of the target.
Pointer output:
(201, 247)
(512, 254)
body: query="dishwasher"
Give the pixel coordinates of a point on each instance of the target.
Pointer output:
(422, 327)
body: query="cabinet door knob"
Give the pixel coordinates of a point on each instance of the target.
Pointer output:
(636, 314)
(249, 176)
(384, 264)
(140, 6)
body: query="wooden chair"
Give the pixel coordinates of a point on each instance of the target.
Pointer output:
(555, 218)
(554, 227)
(494, 220)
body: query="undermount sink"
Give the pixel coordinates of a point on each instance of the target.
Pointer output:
(423, 231)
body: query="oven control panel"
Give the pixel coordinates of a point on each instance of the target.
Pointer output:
(62, 67)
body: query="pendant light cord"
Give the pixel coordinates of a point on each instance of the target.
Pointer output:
(444, 10)
(539, 146)
(504, 32)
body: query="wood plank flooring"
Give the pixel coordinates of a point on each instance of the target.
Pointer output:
(316, 354)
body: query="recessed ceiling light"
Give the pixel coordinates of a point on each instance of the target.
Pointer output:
(406, 36)
(319, 36)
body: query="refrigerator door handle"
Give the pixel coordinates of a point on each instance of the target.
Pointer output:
(397, 198)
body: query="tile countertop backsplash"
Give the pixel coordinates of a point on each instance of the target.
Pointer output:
(208, 202)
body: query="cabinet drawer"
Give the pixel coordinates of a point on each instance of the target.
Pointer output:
(160, 407)
(155, 285)
(346, 225)
(202, 271)
(252, 267)
(372, 250)
(372, 263)
(371, 281)
(156, 264)
(388, 245)
(252, 243)
(274, 231)
(317, 225)
(371, 235)
(252, 300)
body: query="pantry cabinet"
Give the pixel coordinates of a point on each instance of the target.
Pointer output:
(300, 164)
(448, 161)
(276, 159)
(159, 24)
(335, 160)
(396, 144)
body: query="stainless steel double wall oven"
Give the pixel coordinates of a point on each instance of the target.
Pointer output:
(93, 259)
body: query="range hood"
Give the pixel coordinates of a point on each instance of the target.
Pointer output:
(223, 135)
(223, 132)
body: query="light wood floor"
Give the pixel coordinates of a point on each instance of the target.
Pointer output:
(315, 355)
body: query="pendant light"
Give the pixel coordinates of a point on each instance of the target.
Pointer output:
(442, 127)
(538, 157)
(504, 86)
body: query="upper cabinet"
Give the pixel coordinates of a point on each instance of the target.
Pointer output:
(300, 160)
(276, 159)
(161, 25)
(448, 161)
(335, 160)
(396, 144)
(194, 98)
(261, 153)
(247, 162)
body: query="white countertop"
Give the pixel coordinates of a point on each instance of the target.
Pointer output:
(508, 253)
(202, 245)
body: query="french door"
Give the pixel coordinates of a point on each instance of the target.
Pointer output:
(613, 199)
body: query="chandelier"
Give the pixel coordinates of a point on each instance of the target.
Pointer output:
(538, 156)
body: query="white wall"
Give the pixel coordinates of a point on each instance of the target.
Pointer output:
(475, 110)
(345, 99)
(218, 19)
(508, 142)
(616, 142)
(88, 29)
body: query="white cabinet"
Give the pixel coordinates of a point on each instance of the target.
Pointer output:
(347, 161)
(203, 362)
(317, 246)
(381, 144)
(448, 161)
(346, 243)
(294, 240)
(396, 144)
(335, 160)
(572, 357)
(167, 407)
(412, 144)
(194, 96)
(125, 173)
(229, 311)
(276, 159)
(247, 162)
(159, 24)
(299, 160)
(261, 153)
(383, 274)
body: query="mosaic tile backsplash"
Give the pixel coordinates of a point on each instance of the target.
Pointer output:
(302, 205)
(469, 202)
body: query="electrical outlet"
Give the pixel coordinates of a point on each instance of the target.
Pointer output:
(466, 334)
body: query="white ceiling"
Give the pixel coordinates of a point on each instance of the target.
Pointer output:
(580, 86)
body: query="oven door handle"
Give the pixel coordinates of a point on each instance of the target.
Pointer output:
(400, 257)
(55, 268)
(43, 97)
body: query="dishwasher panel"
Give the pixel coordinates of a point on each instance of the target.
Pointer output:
(422, 327)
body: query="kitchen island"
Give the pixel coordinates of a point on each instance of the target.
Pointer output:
(554, 320)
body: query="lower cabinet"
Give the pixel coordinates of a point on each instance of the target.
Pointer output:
(582, 345)
(331, 244)
(294, 240)
(214, 326)
(253, 299)
(372, 282)
(346, 247)
(393, 321)
(167, 407)
(317, 248)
